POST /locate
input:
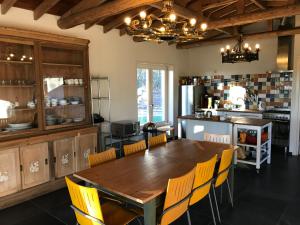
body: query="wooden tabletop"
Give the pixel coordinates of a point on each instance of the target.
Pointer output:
(143, 176)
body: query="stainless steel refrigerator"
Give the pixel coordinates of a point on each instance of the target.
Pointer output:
(191, 99)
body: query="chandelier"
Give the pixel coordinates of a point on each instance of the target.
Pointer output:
(167, 28)
(239, 53)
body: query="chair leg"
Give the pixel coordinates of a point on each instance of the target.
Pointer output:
(188, 217)
(216, 202)
(221, 195)
(212, 209)
(229, 191)
(139, 221)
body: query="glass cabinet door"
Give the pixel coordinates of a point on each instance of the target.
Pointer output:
(64, 87)
(18, 103)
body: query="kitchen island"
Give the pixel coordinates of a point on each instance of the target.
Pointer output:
(258, 131)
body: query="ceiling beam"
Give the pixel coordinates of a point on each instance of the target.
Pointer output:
(261, 35)
(255, 17)
(218, 4)
(120, 19)
(88, 25)
(6, 5)
(180, 11)
(240, 6)
(43, 8)
(259, 4)
(109, 8)
(83, 5)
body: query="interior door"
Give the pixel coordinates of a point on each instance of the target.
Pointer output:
(35, 165)
(86, 145)
(10, 179)
(64, 150)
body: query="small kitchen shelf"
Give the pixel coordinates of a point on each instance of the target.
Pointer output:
(262, 150)
(23, 109)
(252, 146)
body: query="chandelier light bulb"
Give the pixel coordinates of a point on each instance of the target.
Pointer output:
(257, 46)
(249, 48)
(8, 58)
(162, 29)
(145, 26)
(222, 50)
(203, 26)
(185, 29)
(193, 22)
(172, 17)
(143, 15)
(246, 45)
(227, 47)
(127, 20)
(11, 55)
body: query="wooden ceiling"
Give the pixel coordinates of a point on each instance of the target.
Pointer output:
(225, 18)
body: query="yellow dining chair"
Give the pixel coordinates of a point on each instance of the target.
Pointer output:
(99, 158)
(156, 140)
(134, 148)
(222, 176)
(202, 184)
(177, 198)
(88, 211)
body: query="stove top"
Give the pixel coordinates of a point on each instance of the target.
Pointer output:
(278, 114)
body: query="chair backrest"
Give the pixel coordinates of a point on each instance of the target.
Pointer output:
(177, 197)
(86, 200)
(224, 167)
(133, 148)
(156, 140)
(219, 138)
(99, 158)
(203, 178)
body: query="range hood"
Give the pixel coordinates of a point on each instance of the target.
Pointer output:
(285, 53)
(285, 50)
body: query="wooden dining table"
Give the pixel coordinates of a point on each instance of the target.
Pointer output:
(141, 179)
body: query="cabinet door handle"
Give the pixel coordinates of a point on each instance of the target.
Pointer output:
(46, 161)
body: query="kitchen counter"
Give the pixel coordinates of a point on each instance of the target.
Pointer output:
(194, 128)
(241, 111)
(233, 120)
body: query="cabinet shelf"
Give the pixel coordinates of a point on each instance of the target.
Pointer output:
(253, 146)
(17, 86)
(65, 106)
(62, 64)
(16, 62)
(57, 126)
(23, 109)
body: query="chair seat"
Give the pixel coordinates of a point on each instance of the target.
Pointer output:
(114, 214)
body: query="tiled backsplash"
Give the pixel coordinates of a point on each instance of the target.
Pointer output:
(272, 88)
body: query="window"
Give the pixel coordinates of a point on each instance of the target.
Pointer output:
(152, 93)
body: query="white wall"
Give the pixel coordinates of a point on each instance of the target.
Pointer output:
(110, 55)
(207, 60)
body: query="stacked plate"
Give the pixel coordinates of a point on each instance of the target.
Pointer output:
(51, 120)
(18, 126)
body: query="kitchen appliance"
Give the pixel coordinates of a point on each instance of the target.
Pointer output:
(191, 99)
(280, 126)
(125, 128)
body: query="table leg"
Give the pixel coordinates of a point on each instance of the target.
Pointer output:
(231, 180)
(150, 213)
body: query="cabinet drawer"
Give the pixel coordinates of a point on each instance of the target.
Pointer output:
(64, 150)
(35, 164)
(10, 179)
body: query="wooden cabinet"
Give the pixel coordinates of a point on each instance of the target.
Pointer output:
(10, 180)
(85, 145)
(35, 164)
(64, 150)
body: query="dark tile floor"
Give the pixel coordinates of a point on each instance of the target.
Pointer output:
(269, 198)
